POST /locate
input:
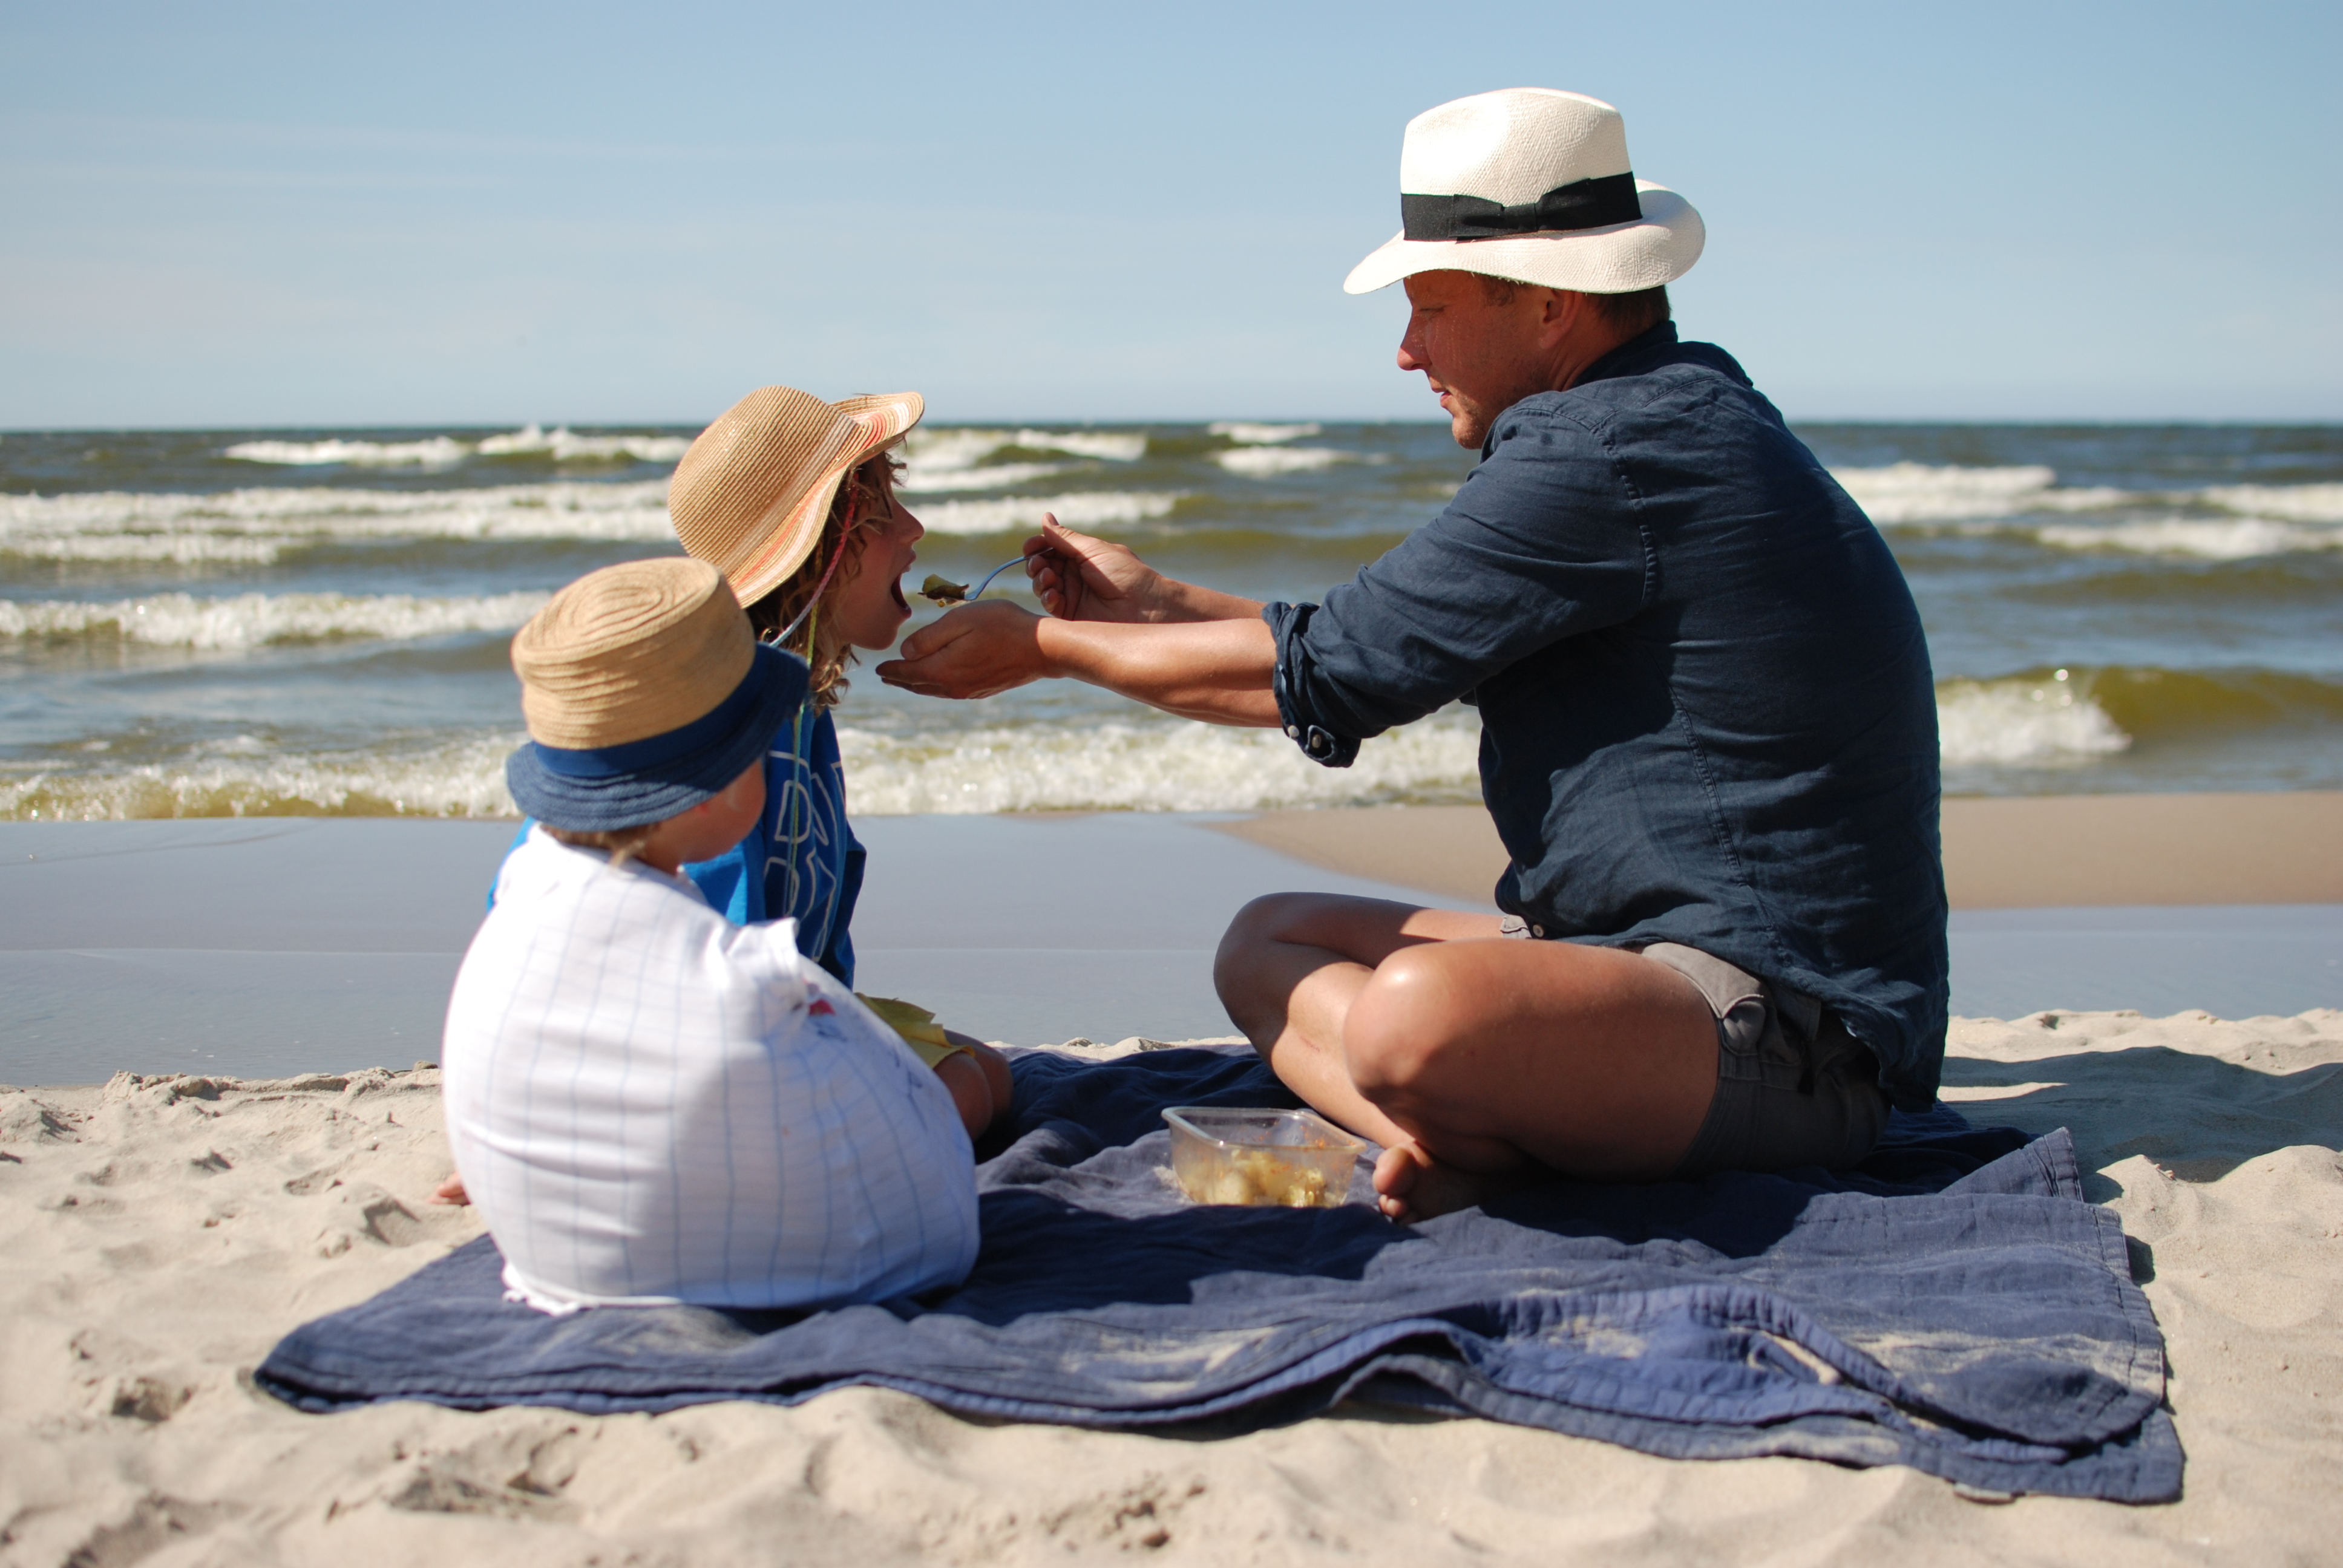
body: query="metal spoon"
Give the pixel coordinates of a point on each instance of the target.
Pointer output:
(937, 590)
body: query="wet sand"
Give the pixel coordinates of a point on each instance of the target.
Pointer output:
(2000, 853)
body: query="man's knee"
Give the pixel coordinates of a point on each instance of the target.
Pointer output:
(1269, 918)
(1400, 1031)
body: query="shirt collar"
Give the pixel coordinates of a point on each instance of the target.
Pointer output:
(1623, 360)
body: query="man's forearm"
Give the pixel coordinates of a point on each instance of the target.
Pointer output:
(1215, 670)
(1189, 602)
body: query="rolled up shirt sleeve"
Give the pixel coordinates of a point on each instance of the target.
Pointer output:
(1544, 541)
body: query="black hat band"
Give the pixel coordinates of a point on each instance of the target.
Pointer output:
(1580, 204)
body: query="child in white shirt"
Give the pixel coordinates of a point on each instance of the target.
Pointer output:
(647, 1102)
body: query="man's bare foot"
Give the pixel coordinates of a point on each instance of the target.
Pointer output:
(1413, 1186)
(451, 1191)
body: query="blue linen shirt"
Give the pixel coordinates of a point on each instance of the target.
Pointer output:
(1707, 713)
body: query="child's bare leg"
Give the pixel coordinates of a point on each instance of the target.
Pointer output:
(979, 1080)
(996, 1070)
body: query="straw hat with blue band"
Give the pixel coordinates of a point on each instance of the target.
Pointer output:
(1533, 184)
(646, 694)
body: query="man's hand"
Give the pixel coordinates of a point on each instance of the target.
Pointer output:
(1216, 670)
(977, 651)
(1079, 577)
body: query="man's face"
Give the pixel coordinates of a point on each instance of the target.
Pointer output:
(1480, 356)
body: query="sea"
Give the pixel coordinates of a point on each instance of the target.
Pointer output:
(214, 623)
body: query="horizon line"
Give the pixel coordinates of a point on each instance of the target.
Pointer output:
(1037, 421)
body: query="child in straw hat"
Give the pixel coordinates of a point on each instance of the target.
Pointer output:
(648, 1103)
(793, 499)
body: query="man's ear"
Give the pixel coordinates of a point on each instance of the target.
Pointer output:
(1561, 314)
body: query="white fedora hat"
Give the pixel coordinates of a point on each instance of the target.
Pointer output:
(1532, 184)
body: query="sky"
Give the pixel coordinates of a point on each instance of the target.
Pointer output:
(250, 215)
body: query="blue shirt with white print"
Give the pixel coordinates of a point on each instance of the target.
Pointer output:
(801, 861)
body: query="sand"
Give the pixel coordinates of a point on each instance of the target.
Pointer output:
(160, 1234)
(2039, 851)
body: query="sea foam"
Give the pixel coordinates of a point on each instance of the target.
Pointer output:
(2022, 723)
(438, 452)
(1081, 509)
(1141, 764)
(1265, 462)
(954, 458)
(1928, 493)
(2295, 503)
(258, 526)
(245, 777)
(1246, 433)
(562, 445)
(254, 620)
(2206, 538)
(1146, 765)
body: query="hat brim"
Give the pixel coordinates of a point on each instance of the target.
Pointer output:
(1626, 256)
(653, 794)
(788, 535)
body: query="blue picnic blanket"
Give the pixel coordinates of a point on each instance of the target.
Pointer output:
(1953, 1304)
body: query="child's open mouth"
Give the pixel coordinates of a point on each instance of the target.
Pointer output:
(895, 592)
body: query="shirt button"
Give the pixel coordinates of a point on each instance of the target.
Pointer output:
(1537, 930)
(1293, 733)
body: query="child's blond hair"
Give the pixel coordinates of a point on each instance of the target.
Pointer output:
(864, 493)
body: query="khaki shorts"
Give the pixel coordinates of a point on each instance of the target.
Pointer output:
(1793, 1087)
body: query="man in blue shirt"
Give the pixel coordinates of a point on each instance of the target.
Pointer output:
(1708, 723)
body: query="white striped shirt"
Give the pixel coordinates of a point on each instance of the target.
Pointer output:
(650, 1104)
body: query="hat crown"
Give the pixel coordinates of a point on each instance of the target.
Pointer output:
(629, 652)
(1512, 147)
(750, 495)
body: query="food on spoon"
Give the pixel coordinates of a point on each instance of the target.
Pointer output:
(942, 591)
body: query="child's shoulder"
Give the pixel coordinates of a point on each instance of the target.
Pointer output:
(543, 876)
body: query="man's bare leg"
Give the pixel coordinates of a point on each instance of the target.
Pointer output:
(1466, 1055)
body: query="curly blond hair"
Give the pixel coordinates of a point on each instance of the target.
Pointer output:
(865, 492)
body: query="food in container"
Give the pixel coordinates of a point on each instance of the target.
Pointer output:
(1235, 1154)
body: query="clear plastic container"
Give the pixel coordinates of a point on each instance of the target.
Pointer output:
(1286, 1158)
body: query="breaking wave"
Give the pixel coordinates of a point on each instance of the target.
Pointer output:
(258, 526)
(1083, 509)
(1246, 433)
(2046, 723)
(243, 777)
(2296, 503)
(2219, 522)
(2206, 538)
(1168, 766)
(1926, 493)
(954, 459)
(254, 620)
(562, 444)
(2053, 720)
(1265, 462)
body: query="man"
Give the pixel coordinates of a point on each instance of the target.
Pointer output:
(1708, 722)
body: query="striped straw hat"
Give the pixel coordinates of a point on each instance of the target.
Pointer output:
(646, 694)
(751, 494)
